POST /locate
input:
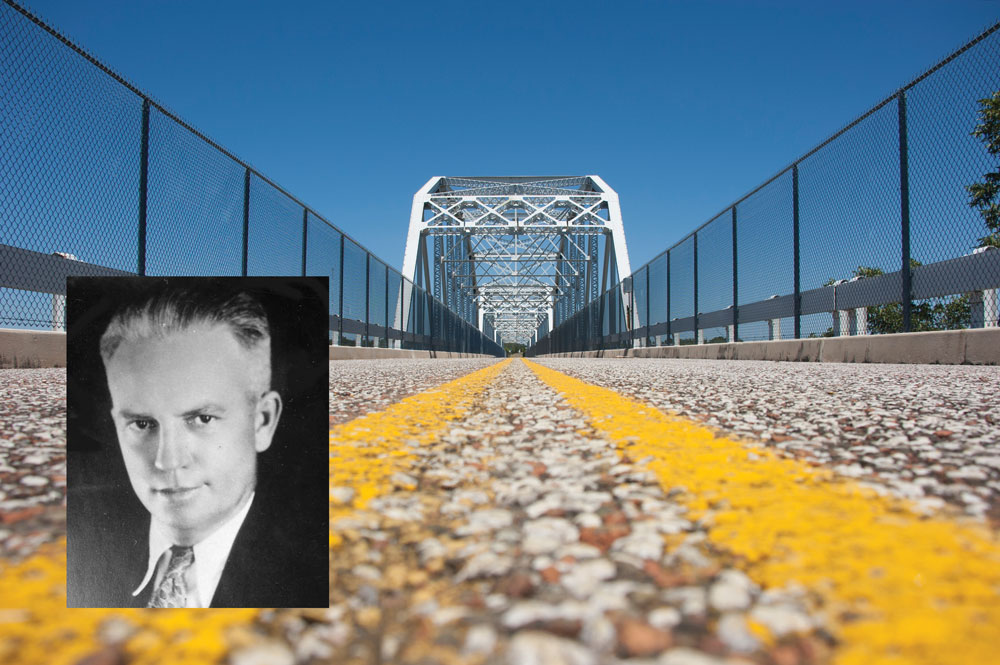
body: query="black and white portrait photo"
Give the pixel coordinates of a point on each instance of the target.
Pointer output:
(197, 442)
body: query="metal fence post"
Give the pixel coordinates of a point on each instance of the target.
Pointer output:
(403, 315)
(628, 314)
(406, 316)
(143, 181)
(368, 273)
(698, 337)
(736, 294)
(796, 267)
(385, 321)
(340, 296)
(305, 237)
(647, 335)
(600, 320)
(415, 316)
(670, 337)
(246, 218)
(904, 211)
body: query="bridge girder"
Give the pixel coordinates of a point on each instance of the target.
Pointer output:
(517, 245)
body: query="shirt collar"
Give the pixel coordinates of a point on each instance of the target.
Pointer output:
(209, 555)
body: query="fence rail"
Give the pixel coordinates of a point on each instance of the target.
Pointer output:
(872, 231)
(97, 178)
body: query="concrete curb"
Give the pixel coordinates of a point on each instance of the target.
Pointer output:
(980, 346)
(43, 348)
(32, 348)
(368, 353)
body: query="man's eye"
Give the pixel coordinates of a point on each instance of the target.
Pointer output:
(143, 425)
(203, 419)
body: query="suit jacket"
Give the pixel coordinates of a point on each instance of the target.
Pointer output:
(274, 562)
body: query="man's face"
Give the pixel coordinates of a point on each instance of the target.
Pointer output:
(187, 426)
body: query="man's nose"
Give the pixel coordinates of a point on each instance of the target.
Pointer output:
(173, 451)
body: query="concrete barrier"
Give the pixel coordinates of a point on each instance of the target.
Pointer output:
(42, 348)
(978, 346)
(32, 348)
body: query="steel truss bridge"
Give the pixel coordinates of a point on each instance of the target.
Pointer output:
(516, 255)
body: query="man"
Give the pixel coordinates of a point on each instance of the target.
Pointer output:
(189, 377)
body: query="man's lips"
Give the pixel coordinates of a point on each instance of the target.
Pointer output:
(175, 491)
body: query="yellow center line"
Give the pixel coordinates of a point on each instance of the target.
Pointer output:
(367, 451)
(39, 628)
(896, 587)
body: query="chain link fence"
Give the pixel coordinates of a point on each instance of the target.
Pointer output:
(97, 178)
(890, 225)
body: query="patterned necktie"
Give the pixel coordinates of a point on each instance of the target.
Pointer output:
(172, 590)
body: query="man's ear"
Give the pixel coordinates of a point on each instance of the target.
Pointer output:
(266, 420)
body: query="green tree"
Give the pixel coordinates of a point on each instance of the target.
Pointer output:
(510, 348)
(884, 319)
(985, 196)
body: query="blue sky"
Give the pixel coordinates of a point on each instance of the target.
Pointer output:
(682, 107)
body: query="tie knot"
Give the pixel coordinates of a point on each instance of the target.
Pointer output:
(181, 557)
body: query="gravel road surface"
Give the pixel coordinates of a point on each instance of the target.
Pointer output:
(358, 387)
(520, 535)
(925, 432)
(32, 459)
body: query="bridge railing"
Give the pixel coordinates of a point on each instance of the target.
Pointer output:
(873, 231)
(98, 178)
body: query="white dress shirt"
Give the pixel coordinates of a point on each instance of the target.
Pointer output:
(209, 558)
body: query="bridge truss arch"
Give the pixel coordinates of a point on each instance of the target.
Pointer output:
(516, 255)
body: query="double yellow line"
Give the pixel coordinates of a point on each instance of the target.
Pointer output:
(366, 452)
(896, 587)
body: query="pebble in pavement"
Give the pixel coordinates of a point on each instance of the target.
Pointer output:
(358, 387)
(929, 433)
(528, 540)
(32, 459)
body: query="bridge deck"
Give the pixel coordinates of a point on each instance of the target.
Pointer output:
(509, 512)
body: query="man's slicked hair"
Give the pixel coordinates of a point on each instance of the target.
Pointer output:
(172, 309)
